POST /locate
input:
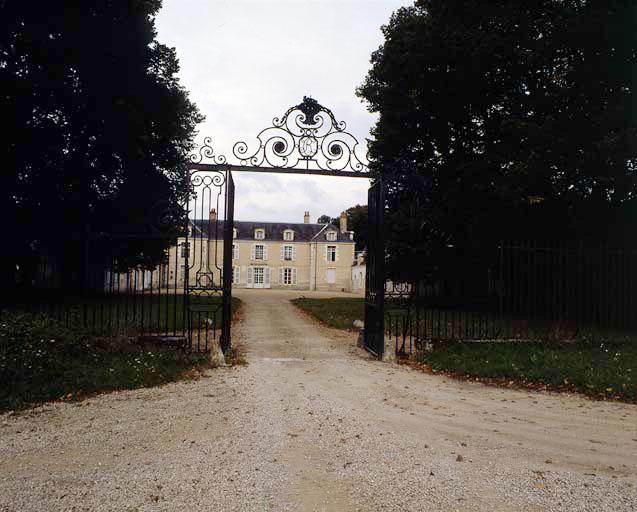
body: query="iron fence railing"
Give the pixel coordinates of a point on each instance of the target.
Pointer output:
(517, 291)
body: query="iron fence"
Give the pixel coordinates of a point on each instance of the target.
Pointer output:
(523, 291)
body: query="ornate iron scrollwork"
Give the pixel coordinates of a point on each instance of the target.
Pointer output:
(206, 152)
(308, 136)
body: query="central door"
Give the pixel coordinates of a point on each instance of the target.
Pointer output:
(258, 277)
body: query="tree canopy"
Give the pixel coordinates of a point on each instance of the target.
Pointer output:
(511, 118)
(100, 129)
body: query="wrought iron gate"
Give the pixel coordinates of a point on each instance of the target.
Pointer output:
(207, 249)
(173, 281)
(374, 335)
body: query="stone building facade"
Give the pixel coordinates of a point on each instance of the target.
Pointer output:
(301, 256)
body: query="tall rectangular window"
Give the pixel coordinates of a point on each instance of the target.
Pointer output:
(182, 272)
(235, 252)
(331, 253)
(185, 249)
(288, 251)
(236, 275)
(287, 276)
(258, 252)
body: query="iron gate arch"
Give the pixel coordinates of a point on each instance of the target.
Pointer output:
(306, 139)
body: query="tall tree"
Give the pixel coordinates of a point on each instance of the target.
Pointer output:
(101, 129)
(495, 117)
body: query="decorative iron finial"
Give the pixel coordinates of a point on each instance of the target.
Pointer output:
(310, 107)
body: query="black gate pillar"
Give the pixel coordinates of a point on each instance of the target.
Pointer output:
(374, 335)
(228, 239)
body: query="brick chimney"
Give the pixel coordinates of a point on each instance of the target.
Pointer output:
(213, 215)
(343, 222)
(306, 218)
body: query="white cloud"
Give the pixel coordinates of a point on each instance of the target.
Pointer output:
(245, 62)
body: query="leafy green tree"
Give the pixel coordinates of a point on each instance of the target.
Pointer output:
(498, 119)
(324, 219)
(100, 132)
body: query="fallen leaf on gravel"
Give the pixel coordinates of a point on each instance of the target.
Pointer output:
(459, 458)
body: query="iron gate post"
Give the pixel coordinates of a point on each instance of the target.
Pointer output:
(228, 237)
(374, 335)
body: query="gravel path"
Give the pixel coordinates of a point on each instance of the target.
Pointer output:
(311, 423)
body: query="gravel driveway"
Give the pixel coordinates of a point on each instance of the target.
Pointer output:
(312, 423)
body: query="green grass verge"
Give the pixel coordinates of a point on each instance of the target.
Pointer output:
(41, 359)
(601, 364)
(339, 313)
(602, 369)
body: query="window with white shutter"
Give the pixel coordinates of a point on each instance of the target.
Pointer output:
(235, 252)
(330, 253)
(267, 277)
(287, 276)
(259, 252)
(249, 280)
(236, 275)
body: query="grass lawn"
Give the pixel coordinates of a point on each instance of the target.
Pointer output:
(339, 313)
(596, 368)
(599, 364)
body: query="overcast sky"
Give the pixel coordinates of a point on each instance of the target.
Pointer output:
(247, 61)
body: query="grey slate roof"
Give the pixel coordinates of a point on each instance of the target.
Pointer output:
(273, 230)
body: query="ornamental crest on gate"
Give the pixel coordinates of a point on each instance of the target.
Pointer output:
(307, 137)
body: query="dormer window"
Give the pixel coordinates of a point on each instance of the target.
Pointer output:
(259, 234)
(234, 233)
(288, 235)
(330, 236)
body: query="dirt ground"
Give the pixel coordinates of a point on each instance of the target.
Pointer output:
(313, 423)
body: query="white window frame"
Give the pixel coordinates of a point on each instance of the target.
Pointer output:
(235, 251)
(182, 272)
(258, 256)
(288, 276)
(264, 253)
(330, 236)
(288, 235)
(327, 253)
(259, 234)
(236, 275)
(184, 250)
(234, 232)
(288, 253)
